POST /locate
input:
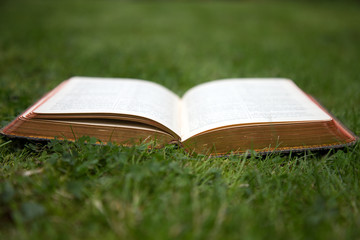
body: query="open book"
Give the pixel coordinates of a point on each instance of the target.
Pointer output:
(218, 117)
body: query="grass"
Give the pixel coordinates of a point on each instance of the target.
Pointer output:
(64, 190)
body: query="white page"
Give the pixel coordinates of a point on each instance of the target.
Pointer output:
(241, 101)
(123, 96)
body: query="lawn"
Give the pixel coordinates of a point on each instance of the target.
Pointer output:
(63, 190)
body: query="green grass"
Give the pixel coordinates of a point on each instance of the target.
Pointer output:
(64, 190)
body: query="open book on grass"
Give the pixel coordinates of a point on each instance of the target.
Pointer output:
(218, 117)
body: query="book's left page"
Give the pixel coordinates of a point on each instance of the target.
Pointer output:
(83, 95)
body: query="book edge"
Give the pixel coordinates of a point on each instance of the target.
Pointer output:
(319, 147)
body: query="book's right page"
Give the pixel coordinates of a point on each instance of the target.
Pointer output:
(245, 101)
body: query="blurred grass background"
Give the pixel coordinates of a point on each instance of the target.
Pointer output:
(75, 190)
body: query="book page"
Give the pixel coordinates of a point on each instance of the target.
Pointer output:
(119, 96)
(243, 101)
